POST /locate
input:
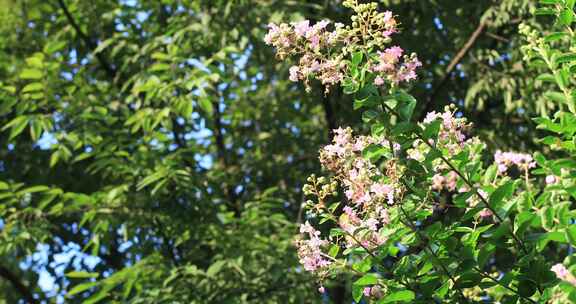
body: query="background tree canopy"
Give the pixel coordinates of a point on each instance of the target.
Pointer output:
(154, 151)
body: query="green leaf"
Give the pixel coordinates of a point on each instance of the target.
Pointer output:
(369, 115)
(546, 77)
(334, 249)
(54, 46)
(403, 128)
(566, 58)
(37, 60)
(542, 239)
(357, 58)
(547, 217)
(31, 74)
(206, 105)
(484, 254)
(374, 152)
(54, 158)
(367, 279)
(571, 234)
(566, 17)
(363, 265)
(432, 129)
(103, 45)
(81, 288)
(399, 296)
(100, 295)
(215, 268)
(81, 274)
(406, 105)
(151, 179)
(357, 292)
(500, 193)
(34, 189)
(490, 174)
(33, 87)
(159, 67)
(555, 96)
(525, 202)
(35, 129)
(468, 279)
(18, 124)
(161, 56)
(425, 268)
(544, 11)
(443, 290)
(555, 36)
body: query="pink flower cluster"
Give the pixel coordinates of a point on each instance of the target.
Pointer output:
(440, 182)
(356, 173)
(309, 250)
(563, 274)
(452, 129)
(451, 136)
(390, 24)
(389, 65)
(364, 185)
(552, 179)
(322, 51)
(368, 237)
(372, 292)
(286, 36)
(505, 160)
(300, 38)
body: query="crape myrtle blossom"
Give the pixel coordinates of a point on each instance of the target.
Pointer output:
(505, 161)
(390, 24)
(451, 136)
(309, 250)
(367, 191)
(452, 129)
(551, 179)
(452, 139)
(372, 292)
(343, 157)
(323, 51)
(389, 65)
(368, 237)
(448, 182)
(563, 274)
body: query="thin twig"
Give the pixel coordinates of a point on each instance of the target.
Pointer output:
(480, 272)
(429, 250)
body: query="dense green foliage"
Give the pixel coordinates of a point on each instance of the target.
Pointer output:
(161, 140)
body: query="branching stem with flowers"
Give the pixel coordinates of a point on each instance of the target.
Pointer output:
(420, 212)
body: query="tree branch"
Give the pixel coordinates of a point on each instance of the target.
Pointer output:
(89, 43)
(455, 61)
(329, 115)
(221, 153)
(18, 285)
